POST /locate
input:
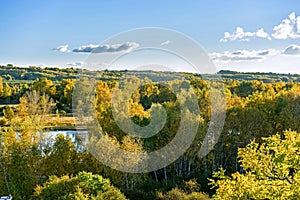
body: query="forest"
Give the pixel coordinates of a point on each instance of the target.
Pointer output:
(257, 155)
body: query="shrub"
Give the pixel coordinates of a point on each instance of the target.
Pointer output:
(84, 186)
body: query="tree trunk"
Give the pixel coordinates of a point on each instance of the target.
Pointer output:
(155, 175)
(165, 173)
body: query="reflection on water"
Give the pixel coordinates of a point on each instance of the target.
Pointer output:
(73, 134)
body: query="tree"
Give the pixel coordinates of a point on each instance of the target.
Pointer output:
(60, 160)
(189, 191)
(66, 90)
(44, 85)
(84, 186)
(34, 108)
(1, 86)
(8, 113)
(271, 170)
(20, 156)
(6, 91)
(19, 160)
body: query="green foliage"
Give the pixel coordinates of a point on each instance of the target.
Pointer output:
(272, 171)
(178, 194)
(18, 160)
(65, 93)
(84, 186)
(44, 86)
(61, 158)
(91, 183)
(56, 188)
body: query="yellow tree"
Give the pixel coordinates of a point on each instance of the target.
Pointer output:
(271, 171)
(1, 86)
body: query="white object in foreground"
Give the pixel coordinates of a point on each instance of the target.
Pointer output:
(9, 197)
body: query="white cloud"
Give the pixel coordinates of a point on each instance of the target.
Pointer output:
(298, 24)
(106, 48)
(292, 17)
(61, 48)
(292, 50)
(241, 35)
(75, 64)
(288, 28)
(242, 55)
(262, 34)
(254, 55)
(167, 42)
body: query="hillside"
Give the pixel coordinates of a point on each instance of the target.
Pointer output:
(14, 74)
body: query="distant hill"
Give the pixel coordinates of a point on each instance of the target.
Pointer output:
(12, 74)
(261, 76)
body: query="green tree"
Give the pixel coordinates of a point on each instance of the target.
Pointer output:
(44, 85)
(61, 157)
(65, 92)
(190, 190)
(19, 161)
(84, 186)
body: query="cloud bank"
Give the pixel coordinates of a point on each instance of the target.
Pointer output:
(242, 55)
(288, 28)
(241, 35)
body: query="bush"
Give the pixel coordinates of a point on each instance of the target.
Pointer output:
(84, 186)
(178, 194)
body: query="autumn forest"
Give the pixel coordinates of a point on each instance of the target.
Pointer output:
(256, 156)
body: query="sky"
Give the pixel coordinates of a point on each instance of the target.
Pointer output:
(246, 36)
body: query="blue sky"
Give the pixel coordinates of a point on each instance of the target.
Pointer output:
(262, 35)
